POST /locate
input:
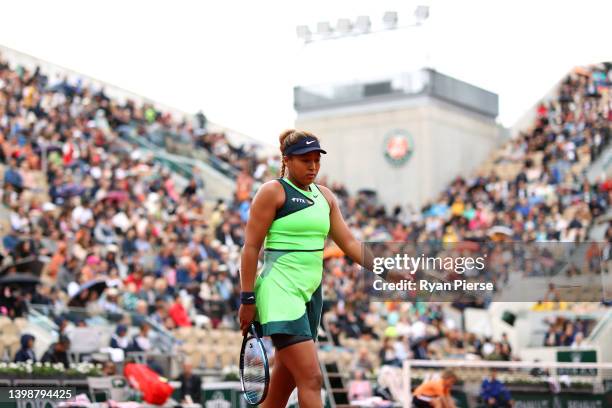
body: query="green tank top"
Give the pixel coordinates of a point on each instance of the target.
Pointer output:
(302, 223)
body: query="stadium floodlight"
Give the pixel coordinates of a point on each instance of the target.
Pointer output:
(390, 19)
(324, 29)
(421, 13)
(363, 24)
(344, 26)
(303, 33)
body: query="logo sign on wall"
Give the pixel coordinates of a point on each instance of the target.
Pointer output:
(398, 147)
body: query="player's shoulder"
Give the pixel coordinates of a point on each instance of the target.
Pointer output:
(325, 190)
(271, 185)
(329, 195)
(270, 189)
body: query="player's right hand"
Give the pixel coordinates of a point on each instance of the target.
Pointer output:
(246, 314)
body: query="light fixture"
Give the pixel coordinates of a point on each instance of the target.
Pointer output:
(421, 13)
(363, 24)
(390, 20)
(344, 26)
(324, 28)
(303, 33)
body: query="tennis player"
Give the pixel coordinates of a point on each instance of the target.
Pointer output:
(291, 216)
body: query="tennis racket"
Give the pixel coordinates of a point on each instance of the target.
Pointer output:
(254, 369)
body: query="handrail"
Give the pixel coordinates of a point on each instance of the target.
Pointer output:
(327, 384)
(599, 327)
(165, 337)
(505, 364)
(42, 318)
(160, 152)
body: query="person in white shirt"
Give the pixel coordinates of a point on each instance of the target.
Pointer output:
(142, 342)
(579, 342)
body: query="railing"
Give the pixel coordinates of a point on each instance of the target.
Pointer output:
(598, 330)
(189, 150)
(40, 318)
(160, 143)
(164, 339)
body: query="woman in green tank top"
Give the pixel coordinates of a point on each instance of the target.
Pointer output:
(291, 217)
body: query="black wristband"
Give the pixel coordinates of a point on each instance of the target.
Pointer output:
(247, 298)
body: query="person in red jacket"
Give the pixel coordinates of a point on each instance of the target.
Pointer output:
(178, 313)
(136, 276)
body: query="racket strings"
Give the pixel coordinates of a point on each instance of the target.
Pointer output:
(254, 370)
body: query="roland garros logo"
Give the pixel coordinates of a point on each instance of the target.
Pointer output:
(398, 147)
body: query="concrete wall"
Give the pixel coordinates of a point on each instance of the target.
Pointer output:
(448, 141)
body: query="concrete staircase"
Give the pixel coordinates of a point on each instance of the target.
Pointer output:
(602, 166)
(333, 378)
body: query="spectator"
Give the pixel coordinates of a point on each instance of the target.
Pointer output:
(142, 342)
(10, 240)
(58, 352)
(120, 340)
(136, 277)
(178, 313)
(225, 235)
(140, 313)
(110, 304)
(191, 189)
(359, 387)
(420, 350)
(498, 354)
(506, 343)
(579, 342)
(363, 362)
(494, 393)
(12, 176)
(201, 121)
(109, 369)
(43, 295)
(244, 186)
(191, 385)
(161, 312)
(26, 352)
(388, 354)
(62, 325)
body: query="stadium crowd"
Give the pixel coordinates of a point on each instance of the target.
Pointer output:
(567, 332)
(110, 212)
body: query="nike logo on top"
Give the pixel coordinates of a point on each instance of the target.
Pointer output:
(312, 141)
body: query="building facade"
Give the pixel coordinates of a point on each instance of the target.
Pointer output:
(405, 138)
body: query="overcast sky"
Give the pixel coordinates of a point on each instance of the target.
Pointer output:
(239, 60)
